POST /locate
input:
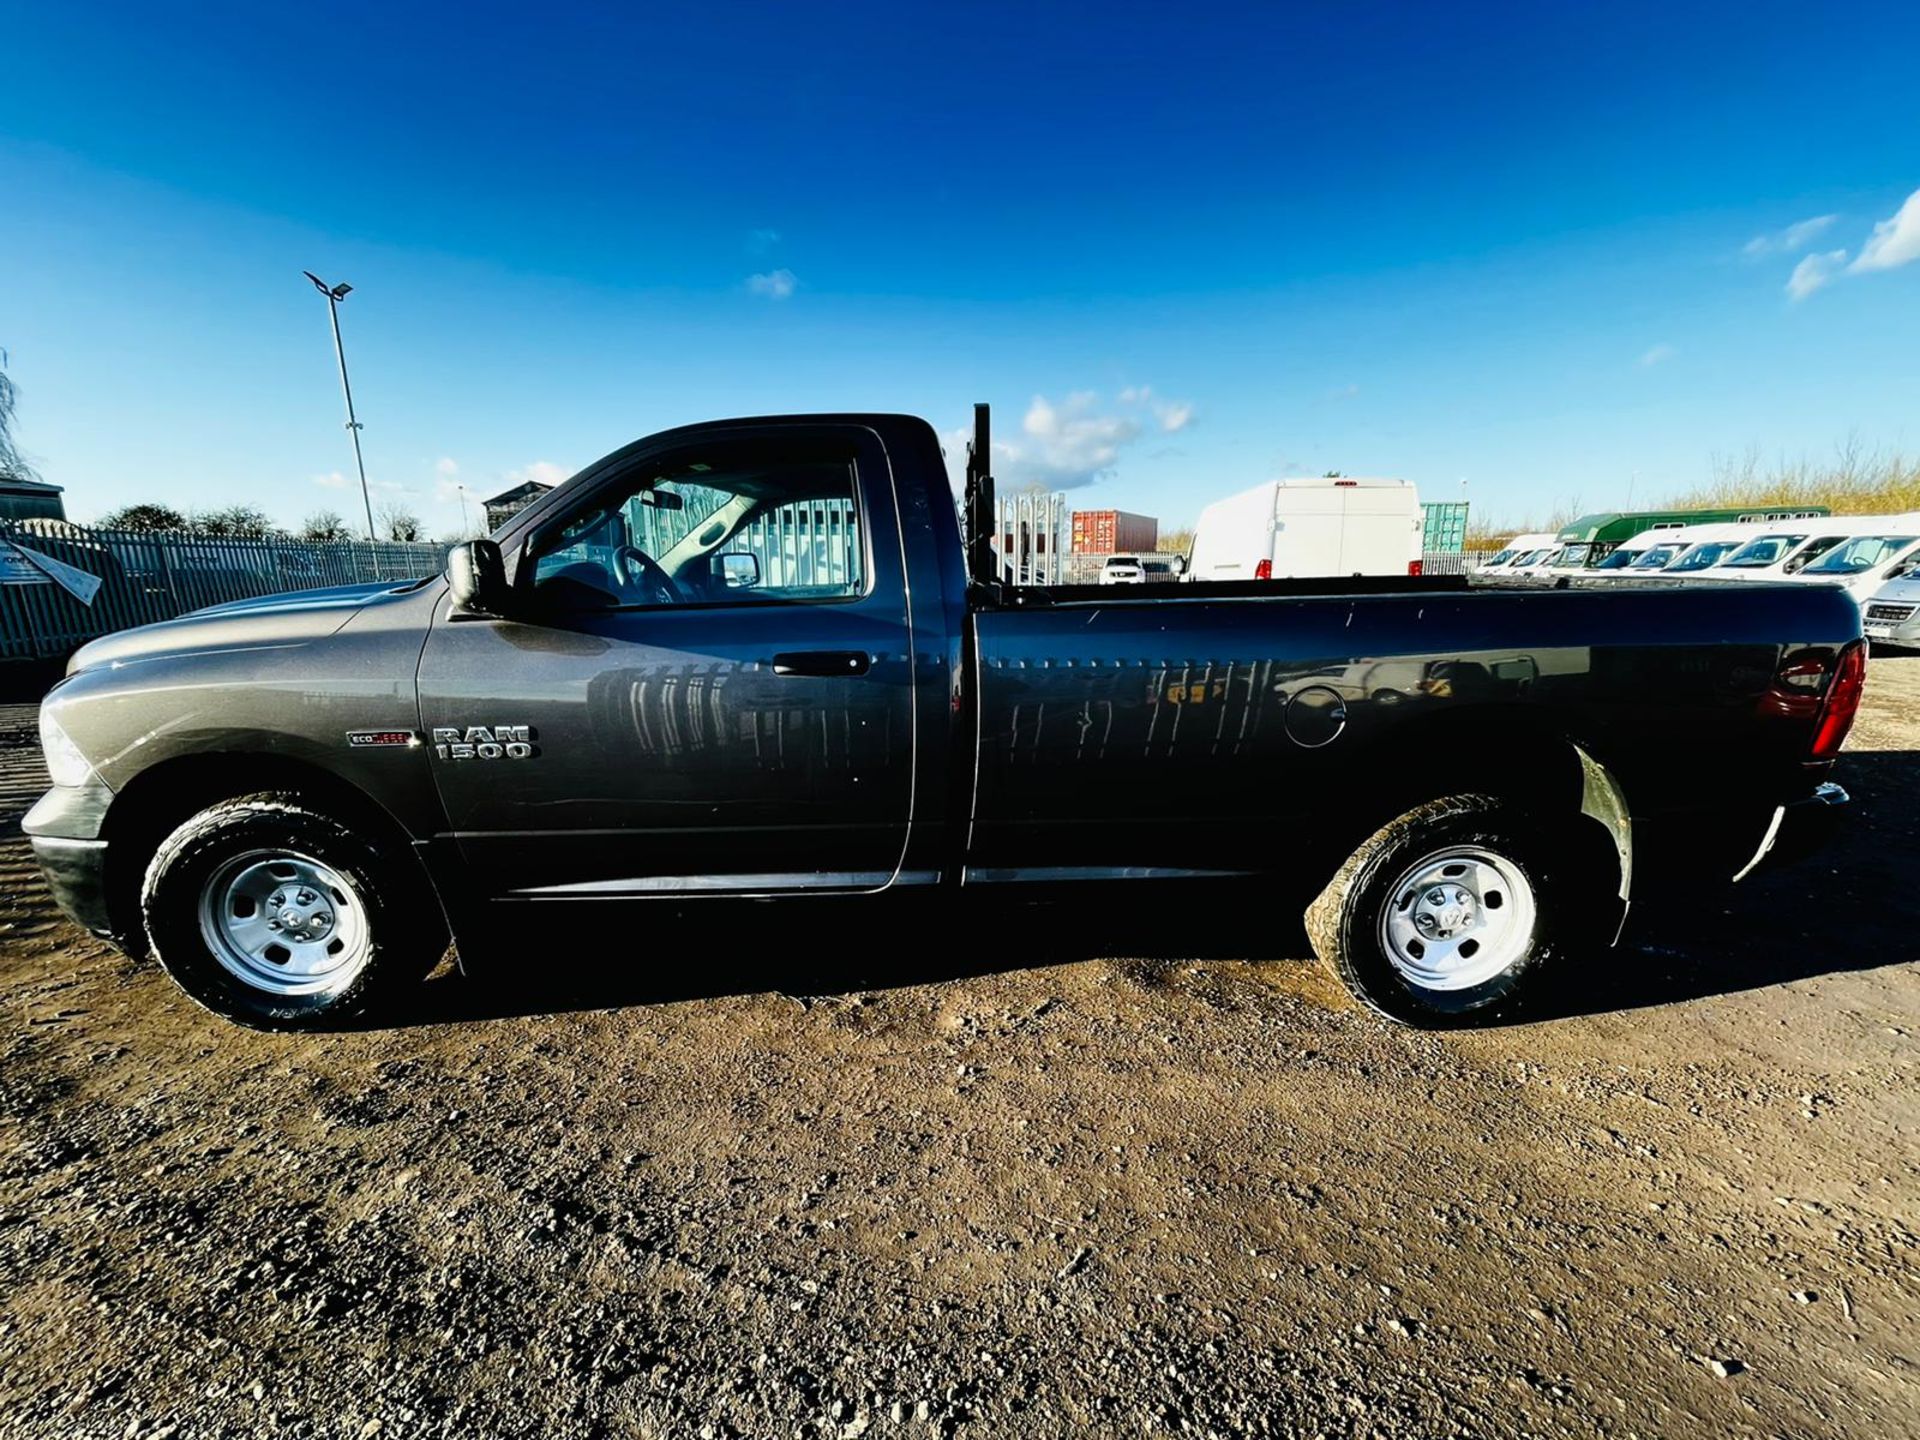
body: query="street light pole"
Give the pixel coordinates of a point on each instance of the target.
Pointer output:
(334, 296)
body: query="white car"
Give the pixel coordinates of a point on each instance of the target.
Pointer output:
(1892, 614)
(1139, 570)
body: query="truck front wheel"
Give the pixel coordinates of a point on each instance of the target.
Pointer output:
(274, 915)
(1448, 914)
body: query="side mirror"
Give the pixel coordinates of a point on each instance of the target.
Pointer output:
(477, 578)
(736, 569)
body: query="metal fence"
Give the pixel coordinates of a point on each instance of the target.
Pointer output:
(155, 575)
(1453, 562)
(1032, 538)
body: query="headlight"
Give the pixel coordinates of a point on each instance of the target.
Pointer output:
(65, 763)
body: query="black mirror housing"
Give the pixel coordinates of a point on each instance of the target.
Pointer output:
(477, 578)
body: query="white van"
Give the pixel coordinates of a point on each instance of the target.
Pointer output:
(1862, 563)
(1285, 529)
(1511, 552)
(1711, 545)
(1784, 548)
(1658, 552)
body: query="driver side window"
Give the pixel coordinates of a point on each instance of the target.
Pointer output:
(721, 528)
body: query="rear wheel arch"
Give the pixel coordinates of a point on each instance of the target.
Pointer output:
(1519, 756)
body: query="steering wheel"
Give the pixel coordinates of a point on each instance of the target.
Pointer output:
(639, 571)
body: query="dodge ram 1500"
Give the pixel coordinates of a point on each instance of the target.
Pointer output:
(769, 658)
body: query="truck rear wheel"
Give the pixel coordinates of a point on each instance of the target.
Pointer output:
(1448, 914)
(272, 914)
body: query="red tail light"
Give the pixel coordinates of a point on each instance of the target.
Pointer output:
(1810, 688)
(1843, 702)
(1414, 567)
(1264, 570)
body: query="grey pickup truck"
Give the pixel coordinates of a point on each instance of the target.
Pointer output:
(771, 658)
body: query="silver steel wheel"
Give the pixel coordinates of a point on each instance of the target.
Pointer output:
(1457, 919)
(284, 923)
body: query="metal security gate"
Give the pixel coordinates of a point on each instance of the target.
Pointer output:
(156, 575)
(1031, 538)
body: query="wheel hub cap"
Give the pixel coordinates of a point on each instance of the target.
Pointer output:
(1457, 919)
(284, 923)
(1444, 911)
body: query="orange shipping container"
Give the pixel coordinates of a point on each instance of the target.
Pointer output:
(1113, 532)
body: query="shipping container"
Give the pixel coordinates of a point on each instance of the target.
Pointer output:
(1446, 527)
(1110, 532)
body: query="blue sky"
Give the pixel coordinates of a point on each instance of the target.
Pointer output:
(1549, 249)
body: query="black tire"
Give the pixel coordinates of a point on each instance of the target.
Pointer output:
(1344, 923)
(400, 931)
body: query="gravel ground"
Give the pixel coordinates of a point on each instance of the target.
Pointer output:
(990, 1186)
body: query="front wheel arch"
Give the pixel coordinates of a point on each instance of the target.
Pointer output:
(151, 805)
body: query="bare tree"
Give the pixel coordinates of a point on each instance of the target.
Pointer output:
(400, 523)
(12, 463)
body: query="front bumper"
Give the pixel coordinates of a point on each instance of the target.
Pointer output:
(64, 829)
(76, 873)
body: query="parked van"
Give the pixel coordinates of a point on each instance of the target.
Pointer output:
(1655, 552)
(1862, 563)
(1285, 529)
(1534, 562)
(1779, 552)
(1714, 543)
(1591, 538)
(1513, 551)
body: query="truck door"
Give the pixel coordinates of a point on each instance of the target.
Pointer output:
(705, 684)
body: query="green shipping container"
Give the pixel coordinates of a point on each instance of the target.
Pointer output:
(1446, 527)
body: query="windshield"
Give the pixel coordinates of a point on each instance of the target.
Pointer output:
(1573, 555)
(1862, 552)
(1701, 556)
(1498, 559)
(1620, 559)
(1656, 557)
(1762, 552)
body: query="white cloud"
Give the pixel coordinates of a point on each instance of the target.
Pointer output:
(775, 284)
(1813, 272)
(1655, 354)
(446, 466)
(543, 471)
(1895, 241)
(1790, 241)
(332, 480)
(1064, 446)
(1344, 392)
(1172, 414)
